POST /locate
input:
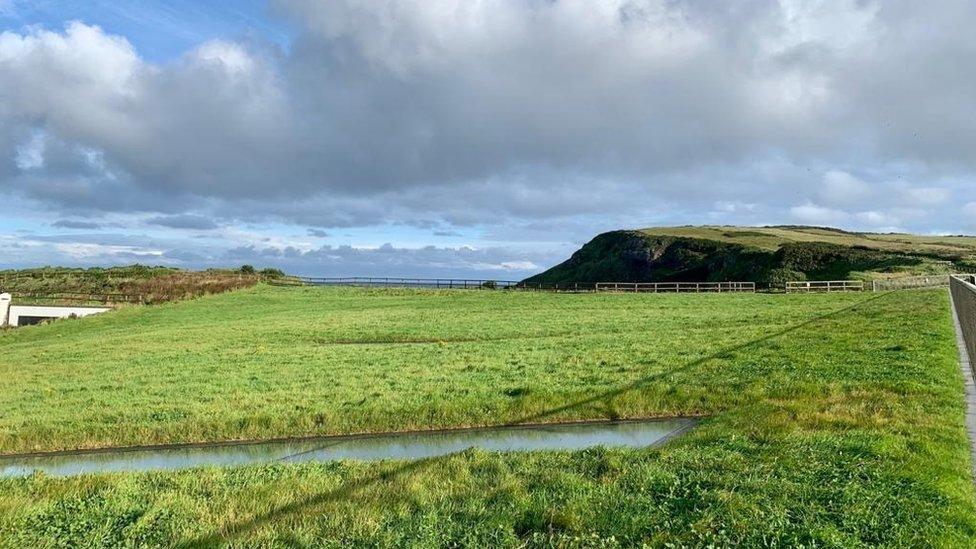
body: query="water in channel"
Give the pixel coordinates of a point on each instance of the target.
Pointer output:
(414, 445)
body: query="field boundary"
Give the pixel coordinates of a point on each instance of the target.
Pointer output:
(964, 292)
(825, 286)
(909, 282)
(395, 282)
(487, 284)
(962, 289)
(675, 287)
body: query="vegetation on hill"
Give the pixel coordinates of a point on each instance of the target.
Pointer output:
(133, 283)
(831, 420)
(766, 255)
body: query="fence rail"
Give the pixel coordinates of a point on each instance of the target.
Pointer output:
(675, 287)
(394, 282)
(929, 281)
(80, 297)
(825, 286)
(570, 287)
(963, 291)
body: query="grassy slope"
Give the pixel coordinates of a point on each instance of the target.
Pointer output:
(836, 419)
(771, 238)
(135, 283)
(765, 255)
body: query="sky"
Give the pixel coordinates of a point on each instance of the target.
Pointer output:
(469, 138)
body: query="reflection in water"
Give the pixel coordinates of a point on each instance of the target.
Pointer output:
(395, 446)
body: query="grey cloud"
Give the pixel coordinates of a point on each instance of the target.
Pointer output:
(72, 224)
(318, 233)
(496, 262)
(388, 260)
(185, 256)
(184, 221)
(562, 117)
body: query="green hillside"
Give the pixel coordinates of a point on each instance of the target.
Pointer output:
(759, 254)
(131, 283)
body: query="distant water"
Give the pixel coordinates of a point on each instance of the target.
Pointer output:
(634, 434)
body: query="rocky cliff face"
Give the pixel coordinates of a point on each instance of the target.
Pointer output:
(633, 256)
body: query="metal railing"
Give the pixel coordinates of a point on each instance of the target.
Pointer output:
(395, 282)
(676, 287)
(962, 288)
(825, 286)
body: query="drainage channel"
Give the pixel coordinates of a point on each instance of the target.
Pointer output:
(413, 445)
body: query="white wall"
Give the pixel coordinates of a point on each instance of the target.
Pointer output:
(17, 311)
(4, 308)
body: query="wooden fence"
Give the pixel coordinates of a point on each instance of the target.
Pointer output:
(474, 284)
(825, 286)
(675, 287)
(77, 298)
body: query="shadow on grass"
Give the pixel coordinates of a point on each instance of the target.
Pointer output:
(350, 488)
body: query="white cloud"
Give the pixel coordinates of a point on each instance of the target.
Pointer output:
(566, 117)
(227, 55)
(818, 215)
(925, 196)
(876, 219)
(519, 266)
(843, 188)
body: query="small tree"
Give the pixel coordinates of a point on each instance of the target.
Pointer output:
(246, 269)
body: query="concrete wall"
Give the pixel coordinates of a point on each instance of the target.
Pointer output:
(32, 311)
(963, 293)
(4, 308)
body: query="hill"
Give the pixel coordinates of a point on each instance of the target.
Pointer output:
(766, 255)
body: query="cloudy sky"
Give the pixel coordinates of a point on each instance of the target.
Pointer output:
(482, 138)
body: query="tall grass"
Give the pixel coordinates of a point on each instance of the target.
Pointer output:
(133, 284)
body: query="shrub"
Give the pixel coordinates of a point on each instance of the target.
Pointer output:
(246, 269)
(779, 277)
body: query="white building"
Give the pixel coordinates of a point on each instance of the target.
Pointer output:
(23, 315)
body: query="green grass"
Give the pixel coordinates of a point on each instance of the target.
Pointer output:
(833, 420)
(768, 256)
(771, 238)
(129, 284)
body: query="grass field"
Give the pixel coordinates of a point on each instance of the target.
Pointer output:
(832, 420)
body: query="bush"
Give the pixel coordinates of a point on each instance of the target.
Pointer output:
(779, 277)
(489, 285)
(272, 273)
(246, 269)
